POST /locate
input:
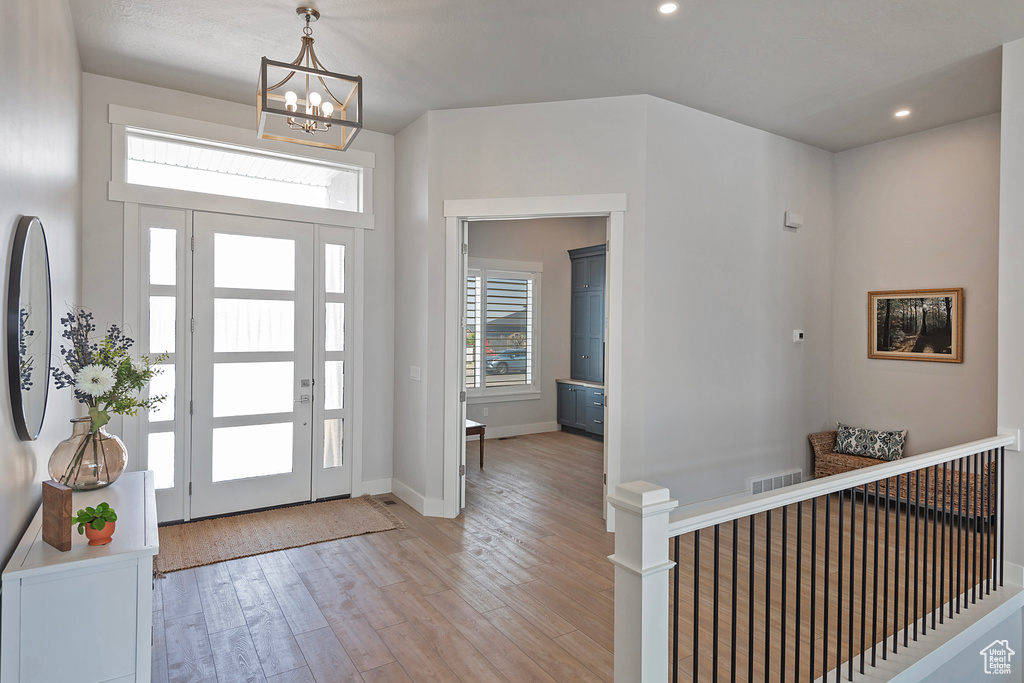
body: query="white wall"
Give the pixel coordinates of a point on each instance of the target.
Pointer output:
(557, 148)
(39, 176)
(104, 229)
(918, 212)
(703, 238)
(544, 241)
(727, 395)
(1011, 283)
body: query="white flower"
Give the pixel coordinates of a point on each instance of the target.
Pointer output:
(95, 380)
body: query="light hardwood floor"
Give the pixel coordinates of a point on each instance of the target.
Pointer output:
(518, 588)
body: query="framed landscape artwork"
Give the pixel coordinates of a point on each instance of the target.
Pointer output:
(917, 324)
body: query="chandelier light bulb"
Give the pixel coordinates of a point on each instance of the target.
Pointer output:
(668, 7)
(314, 99)
(327, 109)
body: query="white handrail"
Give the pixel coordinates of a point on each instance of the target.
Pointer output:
(683, 522)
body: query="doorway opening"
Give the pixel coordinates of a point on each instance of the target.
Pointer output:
(535, 327)
(479, 338)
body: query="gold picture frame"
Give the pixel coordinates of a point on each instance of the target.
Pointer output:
(917, 324)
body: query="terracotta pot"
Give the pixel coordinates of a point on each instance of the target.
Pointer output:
(101, 537)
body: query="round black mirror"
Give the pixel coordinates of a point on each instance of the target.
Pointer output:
(28, 327)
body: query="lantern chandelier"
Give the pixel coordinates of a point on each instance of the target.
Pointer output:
(308, 104)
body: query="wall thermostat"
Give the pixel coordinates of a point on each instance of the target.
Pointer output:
(794, 220)
(798, 335)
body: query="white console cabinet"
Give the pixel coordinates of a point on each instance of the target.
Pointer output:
(86, 615)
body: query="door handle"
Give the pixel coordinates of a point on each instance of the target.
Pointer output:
(598, 422)
(303, 399)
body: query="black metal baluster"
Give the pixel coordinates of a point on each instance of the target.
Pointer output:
(906, 572)
(839, 594)
(982, 525)
(959, 532)
(799, 584)
(863, 575)
(853, 552)
(917, 539)
(767, 595)
(885, 576)
(785, 580)
(714, 608)
(896, 569)
(828, 570)
(696, 605)
(1002, 511)
(874, 585)
(942, 551)
(735, 588)
(750, 601)
(929, 493)
(675, 611)
(935, 541)
(974, 536)
(814, 582)
(950, 510)
(988, 522)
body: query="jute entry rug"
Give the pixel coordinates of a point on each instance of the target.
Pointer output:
(194, 544)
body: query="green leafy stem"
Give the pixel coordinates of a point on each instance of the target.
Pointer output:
(96, 517)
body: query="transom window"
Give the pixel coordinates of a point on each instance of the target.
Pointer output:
(502, 330)
(177, 162)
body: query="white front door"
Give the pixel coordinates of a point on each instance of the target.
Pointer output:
(252, 348)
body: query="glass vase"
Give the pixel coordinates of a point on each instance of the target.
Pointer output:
(88, 460)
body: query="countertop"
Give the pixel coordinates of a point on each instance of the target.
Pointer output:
(582, 383)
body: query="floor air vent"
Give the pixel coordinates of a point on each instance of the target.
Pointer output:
(389, 502)
(776, 481)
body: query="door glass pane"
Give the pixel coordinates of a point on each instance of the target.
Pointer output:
(163, 243)
(162, 384)
(252, 451)
(334, 385)
(334, 431)
(253, 325)
(161, 459)
(161, 324)
(252, 388)
(335, 327)
(334, 255)
(249, 262)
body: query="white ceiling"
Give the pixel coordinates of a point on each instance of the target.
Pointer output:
(826, 72)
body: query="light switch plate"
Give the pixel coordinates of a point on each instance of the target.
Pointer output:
(414, 373)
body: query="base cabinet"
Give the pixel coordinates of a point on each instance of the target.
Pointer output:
(581, 407)
(50, 596)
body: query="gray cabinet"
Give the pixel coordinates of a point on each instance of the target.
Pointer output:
(581, 407)
(587, 317)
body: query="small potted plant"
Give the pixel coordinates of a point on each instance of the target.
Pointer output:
(96, 523)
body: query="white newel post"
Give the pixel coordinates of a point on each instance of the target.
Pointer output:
(641, 582)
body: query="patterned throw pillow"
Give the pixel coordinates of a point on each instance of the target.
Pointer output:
(870, 443)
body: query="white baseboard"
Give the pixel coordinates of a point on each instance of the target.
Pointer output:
(375, 487)
(516, 430)
(428, 507)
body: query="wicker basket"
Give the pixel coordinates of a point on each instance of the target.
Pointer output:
(933, 484)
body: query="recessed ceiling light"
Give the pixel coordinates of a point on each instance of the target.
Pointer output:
(901, 113)
(668, 7)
